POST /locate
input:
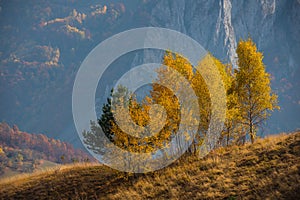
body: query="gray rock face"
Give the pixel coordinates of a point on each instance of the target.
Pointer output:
(274, 26)
(219, 25)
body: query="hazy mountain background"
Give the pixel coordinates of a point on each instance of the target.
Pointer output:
(43, 43)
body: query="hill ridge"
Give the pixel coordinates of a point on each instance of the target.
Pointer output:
(268, 169)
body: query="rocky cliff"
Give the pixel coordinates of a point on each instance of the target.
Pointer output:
(43, 43)
(219, 25)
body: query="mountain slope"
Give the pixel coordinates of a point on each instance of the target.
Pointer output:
(43, 44)
(268, 169)
(23, 152)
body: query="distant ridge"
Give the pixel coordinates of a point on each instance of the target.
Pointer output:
(24, 152)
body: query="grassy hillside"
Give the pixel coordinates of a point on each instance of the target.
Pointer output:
(43, 164)
(268, 169)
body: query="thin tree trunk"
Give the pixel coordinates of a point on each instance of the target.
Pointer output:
(252, 137)
(244, 139)
(228, 136)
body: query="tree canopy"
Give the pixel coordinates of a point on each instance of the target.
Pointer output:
(249, 101)
(256, 99)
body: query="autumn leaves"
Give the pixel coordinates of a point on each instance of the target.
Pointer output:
(186, 107)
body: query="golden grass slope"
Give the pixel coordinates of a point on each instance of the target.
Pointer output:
(268, 169)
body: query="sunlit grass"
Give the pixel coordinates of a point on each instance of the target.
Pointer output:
(267, 169)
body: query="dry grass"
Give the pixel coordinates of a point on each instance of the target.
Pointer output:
(268, 169)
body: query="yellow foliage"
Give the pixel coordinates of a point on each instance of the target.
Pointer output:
(255, 97)
(1, 150)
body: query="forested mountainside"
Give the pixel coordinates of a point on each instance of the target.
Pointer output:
(43, 43)
(24, 152)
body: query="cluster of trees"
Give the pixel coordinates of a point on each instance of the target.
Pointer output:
(22, 151)
(18, 160)
(249, 102)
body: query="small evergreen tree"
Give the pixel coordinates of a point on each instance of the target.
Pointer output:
(106, 119)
